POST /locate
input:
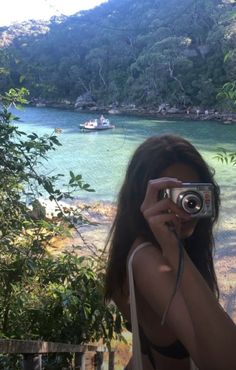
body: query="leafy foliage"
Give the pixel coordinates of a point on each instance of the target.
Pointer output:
(57, 298)
(225, 157)
(227, 95)
(178, 51)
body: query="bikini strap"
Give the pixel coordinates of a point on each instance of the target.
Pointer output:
(137, 357)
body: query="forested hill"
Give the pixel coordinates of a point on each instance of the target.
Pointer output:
(142, 52)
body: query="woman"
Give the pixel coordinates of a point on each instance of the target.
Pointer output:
(176, 328)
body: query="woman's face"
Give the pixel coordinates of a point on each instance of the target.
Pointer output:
(183, 173)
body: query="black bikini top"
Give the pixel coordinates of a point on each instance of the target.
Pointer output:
(175, 350)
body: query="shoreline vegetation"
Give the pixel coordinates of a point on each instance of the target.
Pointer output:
(164, 111)
(141, 56)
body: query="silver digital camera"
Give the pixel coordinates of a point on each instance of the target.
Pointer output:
(196, 199)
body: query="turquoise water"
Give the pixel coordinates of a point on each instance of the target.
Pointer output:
(101, 157)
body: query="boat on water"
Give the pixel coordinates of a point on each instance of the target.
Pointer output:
(96, 125)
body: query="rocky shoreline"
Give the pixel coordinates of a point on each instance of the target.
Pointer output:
(164, 111)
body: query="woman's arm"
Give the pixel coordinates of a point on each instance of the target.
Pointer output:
(195, 314)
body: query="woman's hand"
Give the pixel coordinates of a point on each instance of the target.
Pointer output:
(163, 215)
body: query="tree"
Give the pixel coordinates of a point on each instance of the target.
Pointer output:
(43, 296)
(128, 51)
(227, 96)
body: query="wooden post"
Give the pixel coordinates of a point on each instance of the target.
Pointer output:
(111, 360)
(98, 360)
(32, 361)
(79, 361)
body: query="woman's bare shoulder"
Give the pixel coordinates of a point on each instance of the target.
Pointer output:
(142, 249)
(141, 244)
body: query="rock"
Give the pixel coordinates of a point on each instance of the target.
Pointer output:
(93, 109)
(65, 102)
(85, 101)
(173, 110)
(163, 108)
(114, 111)
(37, 210)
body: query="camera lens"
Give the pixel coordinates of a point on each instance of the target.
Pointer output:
(191, 202)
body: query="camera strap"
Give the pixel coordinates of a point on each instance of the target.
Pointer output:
(178, 276)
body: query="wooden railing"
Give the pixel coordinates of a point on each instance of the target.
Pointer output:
(32, 352)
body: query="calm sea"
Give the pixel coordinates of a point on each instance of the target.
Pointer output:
(101, 157)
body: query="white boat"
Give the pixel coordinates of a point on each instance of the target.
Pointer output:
(97, 125)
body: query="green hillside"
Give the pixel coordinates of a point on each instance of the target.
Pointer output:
(145, 53)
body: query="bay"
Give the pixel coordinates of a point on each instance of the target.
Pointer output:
(102, 157)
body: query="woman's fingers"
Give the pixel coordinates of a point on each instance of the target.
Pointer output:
(162, 220)
(157, 221)
(162, 224)
(154, 187)
(165, 206)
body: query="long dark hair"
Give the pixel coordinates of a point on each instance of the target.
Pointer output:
(149, 160)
